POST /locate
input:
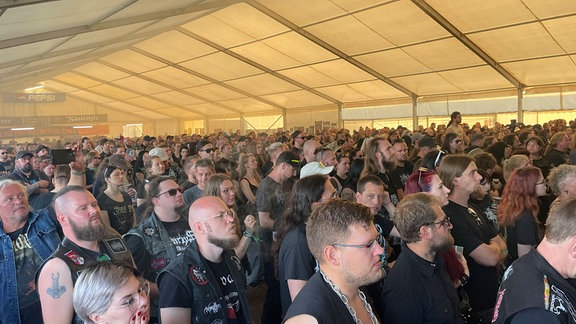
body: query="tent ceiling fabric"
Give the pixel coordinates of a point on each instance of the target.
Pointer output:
(194, 59)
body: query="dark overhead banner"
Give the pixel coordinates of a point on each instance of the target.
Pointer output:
(33, 97)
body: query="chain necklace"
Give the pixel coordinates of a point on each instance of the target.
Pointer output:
(345, 301)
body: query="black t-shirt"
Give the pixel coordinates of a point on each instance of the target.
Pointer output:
(391, 186)
(525, 232)
(27, 262)
(295, 262)
(121, 214)
(401, 173)
(174, 294)
(231, 298)
(472, 229)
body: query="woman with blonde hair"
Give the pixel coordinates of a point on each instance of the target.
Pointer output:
(111, 293)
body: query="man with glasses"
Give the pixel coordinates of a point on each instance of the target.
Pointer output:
(418, 288)
(298, 139)
(341, 235)
(162, 236)
(24, 173)
(87, 240)
(484, 249)
(206, 283)
(206, 149)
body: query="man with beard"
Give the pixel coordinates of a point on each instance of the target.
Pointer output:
(23, 173)
(380, 162)
(206, 283)
(403, 167)
(418, 288)
(342, 237)
(162, 236)
(27, 240)
(87, 240)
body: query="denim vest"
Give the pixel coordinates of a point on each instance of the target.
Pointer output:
(44, 239)
(191, 270)
(157, 243)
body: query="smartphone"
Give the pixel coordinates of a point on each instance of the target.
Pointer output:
(61, 156)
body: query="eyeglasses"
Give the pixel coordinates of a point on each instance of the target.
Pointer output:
(229, 212)
(542, 182)
(370, 246)
(171, 192)
(445, 222)
(133, 303)
(438, 157)
(208, 150)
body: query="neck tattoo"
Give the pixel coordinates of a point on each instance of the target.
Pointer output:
(344, 299)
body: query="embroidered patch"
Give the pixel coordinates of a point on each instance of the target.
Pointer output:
(116, 245)
(197, 275)
(149, 231)
(77, 259)
(158, 264)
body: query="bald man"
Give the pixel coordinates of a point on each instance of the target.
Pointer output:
(206, 283)
(87, 240)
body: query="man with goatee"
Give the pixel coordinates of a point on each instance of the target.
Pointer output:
(206, 283)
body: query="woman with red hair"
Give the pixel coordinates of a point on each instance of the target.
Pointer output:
(518, 210)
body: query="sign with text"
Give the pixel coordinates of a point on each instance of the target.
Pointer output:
(33, 97)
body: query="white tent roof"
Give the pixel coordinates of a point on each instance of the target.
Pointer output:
(194, 59)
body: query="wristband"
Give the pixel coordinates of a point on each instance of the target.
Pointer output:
(248, 235)
(505, 251)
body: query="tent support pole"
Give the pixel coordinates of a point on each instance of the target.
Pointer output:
(414, 113)
(340, 122)
(520, 111)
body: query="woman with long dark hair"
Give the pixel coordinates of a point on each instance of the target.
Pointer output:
(452, 144)
(295, 262)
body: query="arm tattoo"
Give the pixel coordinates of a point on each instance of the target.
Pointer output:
(56, 291)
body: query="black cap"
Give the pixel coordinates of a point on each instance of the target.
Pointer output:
(288, 157)
(41, 147)
(22, 154)
(427, 141)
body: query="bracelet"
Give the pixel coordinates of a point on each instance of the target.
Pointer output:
(248, 235)
(78, 173)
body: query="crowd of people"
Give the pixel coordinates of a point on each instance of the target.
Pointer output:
(452, 223)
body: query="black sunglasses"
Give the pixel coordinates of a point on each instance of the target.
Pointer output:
(171, 192)
(209, 150)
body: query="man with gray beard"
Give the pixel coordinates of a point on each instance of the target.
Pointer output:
(87, 240)
(206, 283)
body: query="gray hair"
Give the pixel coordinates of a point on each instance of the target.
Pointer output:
(8, 182)
(559, 176)
(95, 288)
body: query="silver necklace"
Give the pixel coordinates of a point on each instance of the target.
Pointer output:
(345, 301)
